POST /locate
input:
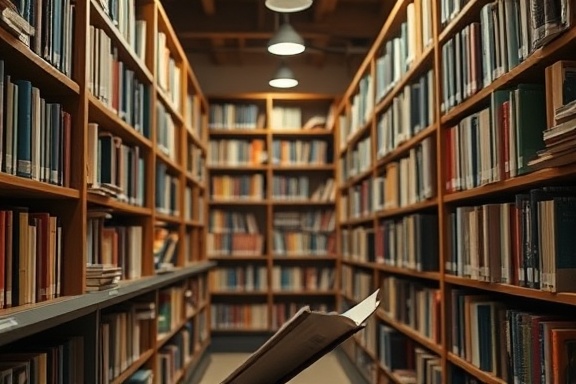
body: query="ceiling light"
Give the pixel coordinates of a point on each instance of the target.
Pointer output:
(288, 5)
(284, 78)
(286, 41)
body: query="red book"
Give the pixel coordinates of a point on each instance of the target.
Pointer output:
(42, 255)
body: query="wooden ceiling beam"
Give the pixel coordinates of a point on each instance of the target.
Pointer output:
(323, 8)
(209, 7)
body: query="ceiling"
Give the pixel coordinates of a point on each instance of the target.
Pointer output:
(236, 32)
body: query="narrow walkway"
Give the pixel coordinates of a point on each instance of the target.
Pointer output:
(325, 370)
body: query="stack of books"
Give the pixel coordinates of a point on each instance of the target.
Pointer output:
(100, 277)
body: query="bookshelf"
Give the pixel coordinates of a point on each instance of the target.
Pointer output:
(272, 207)
(119, 210)
(438, 163)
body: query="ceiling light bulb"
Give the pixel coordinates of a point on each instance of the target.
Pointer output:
(286, 42)
(288, 5)
(284, 78)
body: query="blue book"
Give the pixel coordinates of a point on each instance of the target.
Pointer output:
(24, 129)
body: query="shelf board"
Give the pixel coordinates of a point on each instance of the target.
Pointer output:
(162, 338)
(237, 132)
(359, 220)
(468, 13)
(541, 57)
(168, 218)
(301, 167)
(195, 139)
(513, 290)
(170, 108)
(194, 180)
(110, 122)
(417, 67)
(117, 206)
(238, 258)
(280, 258)
(127, 53)
(387, 213)
(238, 293)
(24, 63)
(407, 145)
(133, 367)
(411, 333)
(23, 187)
(360, 264)
(285, 293)
(172, 164)
(193, 223)
(407, 272)
(485, 377)
(23, 321)
(302, 132)
(353, 180)
(240, 202)
(356, 136)
(512, 185)
(241, 168)
(303, 203)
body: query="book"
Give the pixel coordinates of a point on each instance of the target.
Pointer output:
(300, 342)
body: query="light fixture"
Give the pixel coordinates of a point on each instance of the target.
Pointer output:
(284, 78)
(288, 5)
(286, 41)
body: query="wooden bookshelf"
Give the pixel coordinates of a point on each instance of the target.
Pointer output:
(77, 193)
(274, 119)
(373, 99)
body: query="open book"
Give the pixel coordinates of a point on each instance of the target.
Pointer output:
(300, 342)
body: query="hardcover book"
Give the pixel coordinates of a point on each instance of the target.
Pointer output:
(300, 342)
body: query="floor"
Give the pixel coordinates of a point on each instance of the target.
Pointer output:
(328, 368)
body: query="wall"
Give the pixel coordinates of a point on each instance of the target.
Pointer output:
(331, 78)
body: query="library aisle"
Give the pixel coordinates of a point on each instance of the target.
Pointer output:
(222, 364)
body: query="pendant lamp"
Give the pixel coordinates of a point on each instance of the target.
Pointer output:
(286, 41)
(284, 78)
(288, 5)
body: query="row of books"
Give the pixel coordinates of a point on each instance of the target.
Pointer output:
(194, 115)
(125, 334)
(167, 137)
(57, 360)
(124, 15)
(525, 242)
(48, 30)
(498, 142)
(414, 304)
(299, 152)
(175, 355)
(114, 169)
(294, 243)
(245, 278)
(410, 242)
(30, 257)
(356, 282)
(399, 52)
(195, 162)
(35, 134)
(167, 187)
(116, 85)
(115, 245)
(171, 308)
(513, 344)
(361, 107)
(508, 32)
(237, 152)
(305, 279)
(357, 160)
(235, 116)
(234, 244)
(233, 187)
(316, 220)
(302, 188)
(193, 205)
(165, 248)
(225, 221)
(411, 111)
(450, 9)
(169, 74)
(238, 316)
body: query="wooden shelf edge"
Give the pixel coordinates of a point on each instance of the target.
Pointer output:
(353, 180)
(167, 218)
(408, 209)
(299, 167)
(171, 163)
(237, 132)
(121, 42)
(486, 377)
(407, 272)
(356, 136)
(116, 205)
(244, 167)
(233, 258)
(513, 290)
(170, 107)
(133, 367)
(239, 201)
(407, 145)
(12, 182)
(450, 29)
